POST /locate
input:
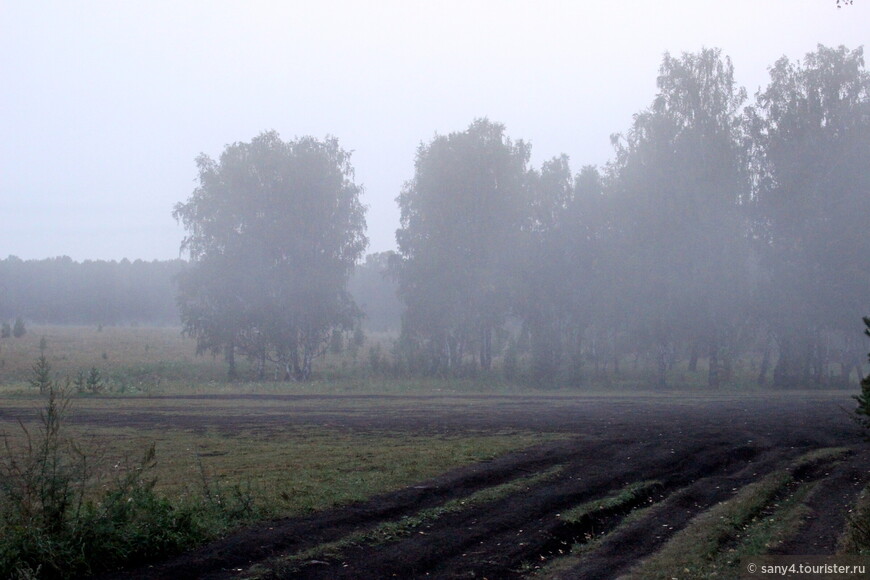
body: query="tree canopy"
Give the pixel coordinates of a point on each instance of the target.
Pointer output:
(274, 230)
(461, 217)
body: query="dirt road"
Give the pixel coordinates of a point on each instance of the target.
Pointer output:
(684, 455)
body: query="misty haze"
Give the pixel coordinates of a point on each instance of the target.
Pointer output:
(404, 290)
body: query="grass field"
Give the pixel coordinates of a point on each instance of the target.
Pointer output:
(597, 468)
(206, 447)
(288, 469)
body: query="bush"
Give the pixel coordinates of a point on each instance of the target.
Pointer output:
(48, 529)
(5, 330)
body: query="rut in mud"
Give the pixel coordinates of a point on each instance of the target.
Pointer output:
(616, 491)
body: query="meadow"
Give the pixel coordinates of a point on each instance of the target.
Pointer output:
(357, 472)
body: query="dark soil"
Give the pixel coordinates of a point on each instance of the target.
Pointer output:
(701, 451)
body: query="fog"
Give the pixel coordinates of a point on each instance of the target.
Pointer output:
(105, 107)
(546, 191)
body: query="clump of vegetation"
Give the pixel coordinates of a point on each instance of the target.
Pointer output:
(90, 383)
(862, 412)
(18, 329)
(5, 330)
(54, 523)
(41, 374)
(857, 537)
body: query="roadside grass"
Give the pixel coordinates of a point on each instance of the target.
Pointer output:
(395, 530)
(856, 539)
(757, 518)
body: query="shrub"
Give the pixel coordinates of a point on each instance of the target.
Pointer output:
(5, 330)
(48, 529)
(41, 487)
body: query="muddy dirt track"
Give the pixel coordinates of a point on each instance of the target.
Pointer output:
(699, 451)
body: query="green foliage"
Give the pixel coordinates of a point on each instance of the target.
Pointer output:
(811, 147)
(5, 330)
(274, 230)
(41, 378)
(462, 217)
(52, 525)
(92, 382)
(679, 176)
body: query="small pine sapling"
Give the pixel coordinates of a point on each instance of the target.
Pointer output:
(41, 374)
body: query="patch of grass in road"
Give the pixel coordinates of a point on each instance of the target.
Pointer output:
(396, 529)
(622, 499)
(759, 516)
(611, 502)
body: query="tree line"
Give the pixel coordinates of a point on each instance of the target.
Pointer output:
(724, 230)
(62, 291)
(721, 230)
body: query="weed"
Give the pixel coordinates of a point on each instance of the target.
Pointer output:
(53, 524)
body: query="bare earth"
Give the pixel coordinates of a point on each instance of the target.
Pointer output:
(702, 450)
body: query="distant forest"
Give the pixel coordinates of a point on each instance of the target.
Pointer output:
(61, 291)
(94, 292)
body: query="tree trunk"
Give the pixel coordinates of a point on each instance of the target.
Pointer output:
(693, 358)
(662, 378)
(261, 365)
(713, 372)
(486, 347)
(230, 358)
(765, 366)
(727, 367)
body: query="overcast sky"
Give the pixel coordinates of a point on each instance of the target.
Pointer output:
(105, 105)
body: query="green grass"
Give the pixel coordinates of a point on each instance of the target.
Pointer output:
(290, 470)
(205, 481)
(613, 501)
